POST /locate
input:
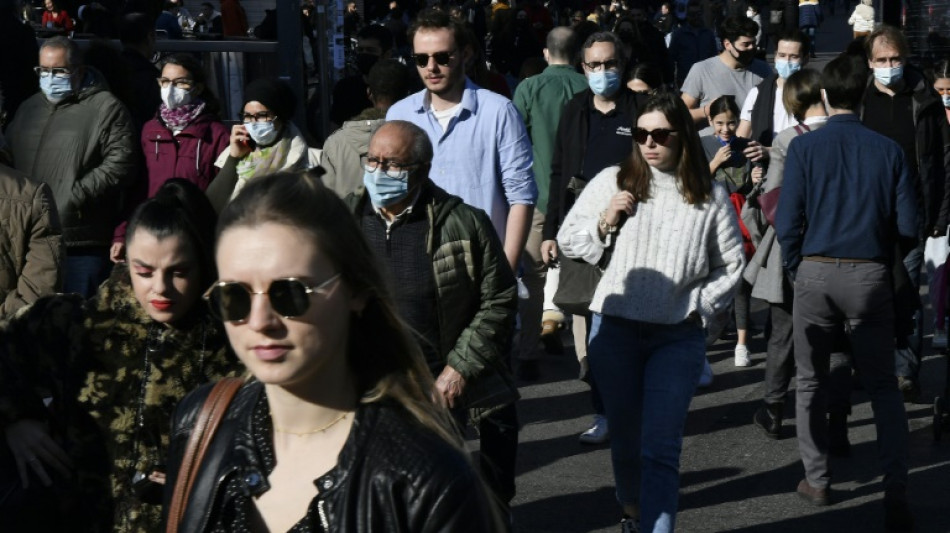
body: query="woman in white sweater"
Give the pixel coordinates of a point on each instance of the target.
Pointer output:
(862, 19)
(676, 261)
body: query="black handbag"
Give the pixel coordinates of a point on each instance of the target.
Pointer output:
(578, 281)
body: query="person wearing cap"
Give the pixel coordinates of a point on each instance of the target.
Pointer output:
(264, 143)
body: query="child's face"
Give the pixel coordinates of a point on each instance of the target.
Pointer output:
(724, 125)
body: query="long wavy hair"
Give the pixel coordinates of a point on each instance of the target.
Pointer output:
(382, 354)
(692, 171)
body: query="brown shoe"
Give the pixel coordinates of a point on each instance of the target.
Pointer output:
(817, 497)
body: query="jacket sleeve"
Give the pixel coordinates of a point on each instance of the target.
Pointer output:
(483, 343)
(222, 186)
(942, 173)
(725, 256)
(118, 166)
(553, 214)
(579, 236)
(43, 255)
(460, 503)
(790, 213)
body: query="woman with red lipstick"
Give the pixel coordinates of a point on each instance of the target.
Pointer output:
(115, 367)
(676, 260)
(338, 430)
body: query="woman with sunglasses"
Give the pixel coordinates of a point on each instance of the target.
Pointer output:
(185, 137)
(265, 142)
(88, 388)
(676, 259)
(337, 430)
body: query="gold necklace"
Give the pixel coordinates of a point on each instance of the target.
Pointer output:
(320, 429)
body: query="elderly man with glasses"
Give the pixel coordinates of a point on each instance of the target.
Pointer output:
(78, 138)
(450, 278)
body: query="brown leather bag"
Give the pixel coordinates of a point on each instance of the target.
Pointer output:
(209, 418)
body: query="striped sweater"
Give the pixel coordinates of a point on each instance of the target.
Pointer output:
(670, 259)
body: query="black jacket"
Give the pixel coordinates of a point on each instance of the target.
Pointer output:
(932, 144)
(570, 145)
(392, 474)
(763, 117)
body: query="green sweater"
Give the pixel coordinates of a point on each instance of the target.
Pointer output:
(540, 100)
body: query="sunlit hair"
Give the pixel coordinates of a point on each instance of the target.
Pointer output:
(179, 209)
(692, 171)
(382, 355)
(801, 91)
(888, 35)
(942, 70)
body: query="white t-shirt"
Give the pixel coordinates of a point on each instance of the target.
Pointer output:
(781, 118)
(445, 115)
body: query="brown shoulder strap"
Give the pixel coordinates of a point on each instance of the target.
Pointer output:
(209, 418)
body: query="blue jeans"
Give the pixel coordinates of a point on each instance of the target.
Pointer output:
(647, 375)
(86, 268)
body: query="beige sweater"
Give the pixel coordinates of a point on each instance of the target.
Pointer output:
(671, 258)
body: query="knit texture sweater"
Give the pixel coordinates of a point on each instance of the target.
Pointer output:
(670, 258)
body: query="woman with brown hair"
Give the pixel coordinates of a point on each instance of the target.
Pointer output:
(676, 260)
(337, 430)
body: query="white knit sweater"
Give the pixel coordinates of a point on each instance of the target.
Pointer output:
(670, 259)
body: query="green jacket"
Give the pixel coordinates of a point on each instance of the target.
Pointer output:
(540, 100)
(84, 148)
(477, 296)
(89, 357)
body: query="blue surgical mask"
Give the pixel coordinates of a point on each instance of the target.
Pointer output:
(604, 83)
(946, 100)
(786, 68)
(55, 88)
(263, 133)
(889, 75)
(385, 190)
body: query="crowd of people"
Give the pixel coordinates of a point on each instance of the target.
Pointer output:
(502, 176)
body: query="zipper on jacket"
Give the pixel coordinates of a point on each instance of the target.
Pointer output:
(322, 511)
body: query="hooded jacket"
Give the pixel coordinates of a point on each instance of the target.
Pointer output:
(31, 245)
(83, 147)
(342, 150)
(477, 297)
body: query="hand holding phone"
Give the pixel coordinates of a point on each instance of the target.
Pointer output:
(241, 142)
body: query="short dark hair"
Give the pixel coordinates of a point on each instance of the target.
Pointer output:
(844, 80)
(801, 91)
(609, 37)
(795, 36)
(647, 73)
(737, 26)
(380, 34)
(388, 79)
(435, 19)
(890, 35)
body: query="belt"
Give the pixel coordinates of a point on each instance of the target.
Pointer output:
(837, 260)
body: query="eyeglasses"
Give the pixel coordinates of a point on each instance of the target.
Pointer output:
(441, 58)
(180, 83)
(263, 116)
(56, 72)
(393, 169)
(595, 66)
(660, 135)
(289, 297)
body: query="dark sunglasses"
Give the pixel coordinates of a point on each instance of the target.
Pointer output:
(289, 297)
(660, 135)
(441, 58)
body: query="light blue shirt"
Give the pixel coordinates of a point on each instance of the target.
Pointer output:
(483, 157)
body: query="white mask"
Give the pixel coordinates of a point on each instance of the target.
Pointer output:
(173, 97)
(946, 100)
(749, 13)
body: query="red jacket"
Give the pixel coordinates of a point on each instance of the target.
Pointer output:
(189, 155)
(59, 20)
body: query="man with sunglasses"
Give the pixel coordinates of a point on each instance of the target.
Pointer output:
(595, 132)
(77, 137)
(450, 282)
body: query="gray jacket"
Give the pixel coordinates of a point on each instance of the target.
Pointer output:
(765, 270)
(342, 150)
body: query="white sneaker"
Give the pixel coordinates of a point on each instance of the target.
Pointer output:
(742, 356)
(597, 433)
(940, 338)
(706, 378)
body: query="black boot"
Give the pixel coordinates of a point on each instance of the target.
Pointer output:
(769, 418)
(838, 445)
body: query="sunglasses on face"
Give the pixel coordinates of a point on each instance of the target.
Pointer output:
(660, 135)
(230, 301)
(441, 58)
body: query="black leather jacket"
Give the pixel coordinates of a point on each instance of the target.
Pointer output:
(392, 474)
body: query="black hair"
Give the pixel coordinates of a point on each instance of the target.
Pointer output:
(388, 79)
(197, 72)
(795, 36)
(135, 28)
(723, 104)
(433, 19)
(844, 80)
(646, 73)
(380, 34)
(620, 53)
(732, 28)
(180, 209)
(801, 91)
